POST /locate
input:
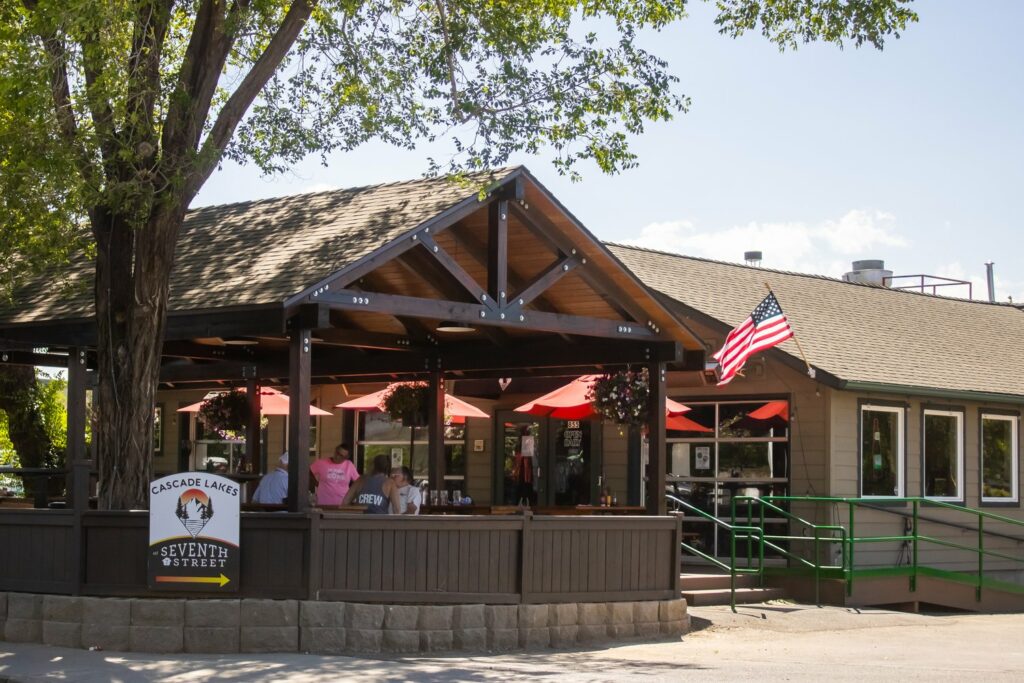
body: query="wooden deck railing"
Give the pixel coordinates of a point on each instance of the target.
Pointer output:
(363, 558)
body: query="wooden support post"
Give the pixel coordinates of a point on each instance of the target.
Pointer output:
(253, 454)
(497, 251)
(634, 466)
(435, 428)
(75, 457)
(656, 467)
(78, 465)
(299, 352)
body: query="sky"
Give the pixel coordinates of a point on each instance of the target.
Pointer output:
(817, 157)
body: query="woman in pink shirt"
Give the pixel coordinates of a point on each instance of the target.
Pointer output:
(332, 476)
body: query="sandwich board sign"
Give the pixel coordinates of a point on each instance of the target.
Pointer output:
(193, 533)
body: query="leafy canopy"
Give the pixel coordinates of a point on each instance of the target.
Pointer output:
(102, 104)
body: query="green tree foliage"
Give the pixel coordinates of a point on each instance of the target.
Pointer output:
(113, 114)
(33, 420)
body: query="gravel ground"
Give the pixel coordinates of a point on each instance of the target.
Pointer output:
(771, 642)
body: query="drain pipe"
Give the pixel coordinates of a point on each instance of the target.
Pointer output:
(991, 281)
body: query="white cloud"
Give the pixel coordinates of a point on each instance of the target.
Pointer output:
(318, 187)
(826, 248)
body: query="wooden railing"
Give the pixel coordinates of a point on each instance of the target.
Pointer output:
(363, 558)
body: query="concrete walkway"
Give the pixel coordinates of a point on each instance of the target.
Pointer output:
(766, 642)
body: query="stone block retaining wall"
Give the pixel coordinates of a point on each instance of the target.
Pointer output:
(230, 626)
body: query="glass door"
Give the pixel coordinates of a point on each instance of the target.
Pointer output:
(520, 458)
(574, 467)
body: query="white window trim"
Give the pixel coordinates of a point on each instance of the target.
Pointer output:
(959, 497)
(1014, 457)
(901, 450)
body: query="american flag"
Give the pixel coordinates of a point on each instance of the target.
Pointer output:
(766, 327)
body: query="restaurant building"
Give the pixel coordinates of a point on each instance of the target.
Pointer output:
(906, 436)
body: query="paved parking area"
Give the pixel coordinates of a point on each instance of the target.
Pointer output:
(774, 642)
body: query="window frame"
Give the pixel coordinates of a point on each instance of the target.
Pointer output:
(900, 409)
(1013, 418)
(945, 411)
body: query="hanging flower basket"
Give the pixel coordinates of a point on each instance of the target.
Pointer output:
(407, 403)
(227, 414)
(622, 397)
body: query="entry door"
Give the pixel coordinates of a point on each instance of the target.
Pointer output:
(520, 461)
(575, 462)
(542, 461)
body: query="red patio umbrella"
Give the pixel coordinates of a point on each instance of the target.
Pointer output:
(272, 402)
(771, 409)
(680, 423)
(454, 407)
(570, 402)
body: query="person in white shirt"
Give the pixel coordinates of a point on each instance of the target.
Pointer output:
(408, 493)
(273, 488)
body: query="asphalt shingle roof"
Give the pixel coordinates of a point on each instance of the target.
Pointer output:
(858, 333)
(263, 251)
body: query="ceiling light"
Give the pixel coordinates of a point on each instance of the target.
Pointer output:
(455, 327)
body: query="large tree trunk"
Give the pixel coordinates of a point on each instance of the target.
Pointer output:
(133, 269)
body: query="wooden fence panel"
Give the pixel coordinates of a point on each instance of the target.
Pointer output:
(582, 559)
(419, 559)
(36, 551)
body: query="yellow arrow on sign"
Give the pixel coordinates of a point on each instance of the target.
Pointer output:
(193, 579)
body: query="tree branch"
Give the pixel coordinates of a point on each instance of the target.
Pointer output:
(144, 69)
(242, 98)
(60, 90)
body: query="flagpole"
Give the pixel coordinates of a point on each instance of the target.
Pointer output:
(810, 370)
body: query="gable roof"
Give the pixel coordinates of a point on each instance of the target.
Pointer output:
(263, 251)
(861, 334)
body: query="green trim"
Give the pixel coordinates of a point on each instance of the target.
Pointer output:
(906, 389)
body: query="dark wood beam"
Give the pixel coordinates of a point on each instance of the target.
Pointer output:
(545, 281)
(542, 228)
(656, 459)
(189, 349)
(478, 252)
(252, 428)
(478, 314)
(435, 429)
(369, 340)
(32, 358)
(415, 328)
(479, 357)
(452, 268)
(418, 263)
(510, 186)
(497, 251)
(300, 348)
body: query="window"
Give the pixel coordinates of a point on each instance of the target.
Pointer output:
(943, 466)
(881, 451)
(999, 458)
(379, 434)
(723, 450)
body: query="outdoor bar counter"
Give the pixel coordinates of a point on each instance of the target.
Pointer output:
(345, 556)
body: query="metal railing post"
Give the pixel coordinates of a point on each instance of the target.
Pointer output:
(852, 542)
(981, 557)
(913, 577)
(817, 569)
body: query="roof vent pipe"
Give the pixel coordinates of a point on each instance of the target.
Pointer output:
(991, 281)
(870, 272)
(753, 258)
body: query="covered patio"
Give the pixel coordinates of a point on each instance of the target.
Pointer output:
(424, 281)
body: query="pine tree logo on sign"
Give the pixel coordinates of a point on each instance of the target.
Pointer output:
(194, 510)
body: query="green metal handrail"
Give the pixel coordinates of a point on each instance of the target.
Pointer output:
(816, 566)
(733, 529)
(915, 538)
